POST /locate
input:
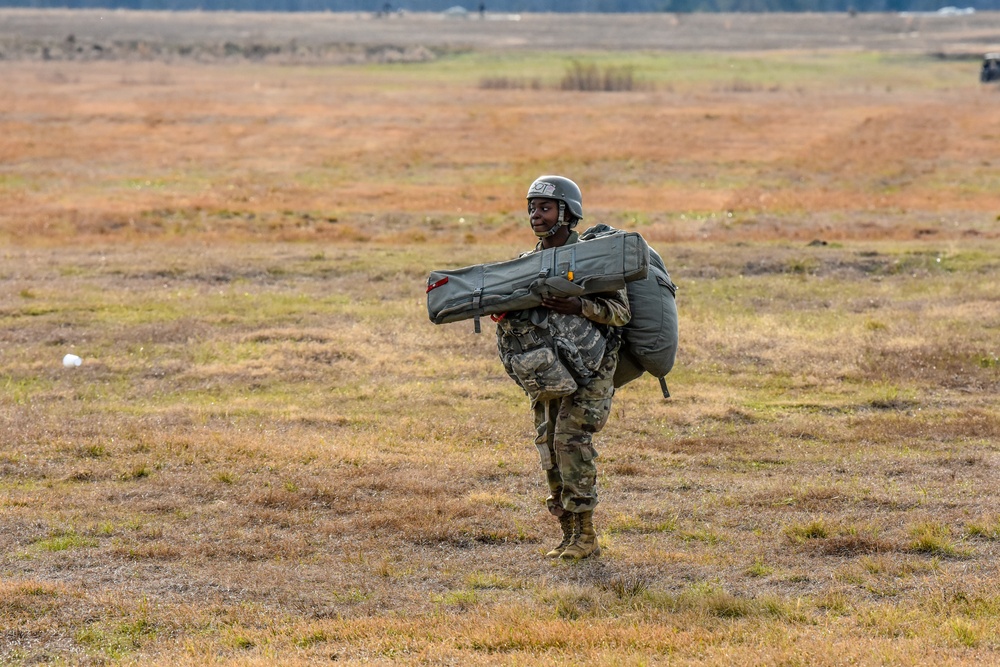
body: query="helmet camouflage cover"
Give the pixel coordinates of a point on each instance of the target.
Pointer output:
(561, 189)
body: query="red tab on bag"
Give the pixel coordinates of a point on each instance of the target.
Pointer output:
(497, 317)
(437, 284)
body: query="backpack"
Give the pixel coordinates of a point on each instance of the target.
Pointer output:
(649, 340)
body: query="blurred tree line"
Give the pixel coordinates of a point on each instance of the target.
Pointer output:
(384, 7)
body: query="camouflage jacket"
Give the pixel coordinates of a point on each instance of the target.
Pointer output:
(581, 341)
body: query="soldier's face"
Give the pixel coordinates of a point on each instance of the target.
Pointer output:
(543, 214)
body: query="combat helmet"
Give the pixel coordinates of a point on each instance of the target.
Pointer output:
(563, 190)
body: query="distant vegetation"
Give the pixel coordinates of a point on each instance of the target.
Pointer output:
(587, 76)
(578, 76)
(567, 6)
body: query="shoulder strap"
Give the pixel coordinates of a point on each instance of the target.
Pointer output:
(599, 229)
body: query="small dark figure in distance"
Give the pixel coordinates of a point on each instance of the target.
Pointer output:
(991, 68)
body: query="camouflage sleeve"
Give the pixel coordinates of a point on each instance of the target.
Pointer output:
(611, 309)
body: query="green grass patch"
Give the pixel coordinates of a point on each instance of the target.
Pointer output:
(64, 541)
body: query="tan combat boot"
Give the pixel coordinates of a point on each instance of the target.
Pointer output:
(568, 525)
(585, 543)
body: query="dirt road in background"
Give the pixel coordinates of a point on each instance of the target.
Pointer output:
(117, 34)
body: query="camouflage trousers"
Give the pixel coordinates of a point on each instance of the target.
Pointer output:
(565, 428)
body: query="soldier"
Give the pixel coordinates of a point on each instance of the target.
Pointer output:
(587, 332)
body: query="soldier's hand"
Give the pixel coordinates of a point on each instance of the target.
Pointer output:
(567, 305)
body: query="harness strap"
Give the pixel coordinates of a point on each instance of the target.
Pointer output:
(663, 387)
(477, 298)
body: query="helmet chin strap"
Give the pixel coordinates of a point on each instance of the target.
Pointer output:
(559, 223)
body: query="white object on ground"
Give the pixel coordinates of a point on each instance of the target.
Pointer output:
(71, 360)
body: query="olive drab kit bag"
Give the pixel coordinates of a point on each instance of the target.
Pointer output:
(602, 265)
(549, 355)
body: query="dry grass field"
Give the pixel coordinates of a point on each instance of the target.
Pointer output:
(270, 456)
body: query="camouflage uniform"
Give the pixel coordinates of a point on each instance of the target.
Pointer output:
(565, 427)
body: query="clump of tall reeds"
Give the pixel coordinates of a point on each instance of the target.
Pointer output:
(590, 77)
(510, 83)
(579, 76)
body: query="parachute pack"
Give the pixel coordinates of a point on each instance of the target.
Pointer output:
(649, 340)
(606, 259)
